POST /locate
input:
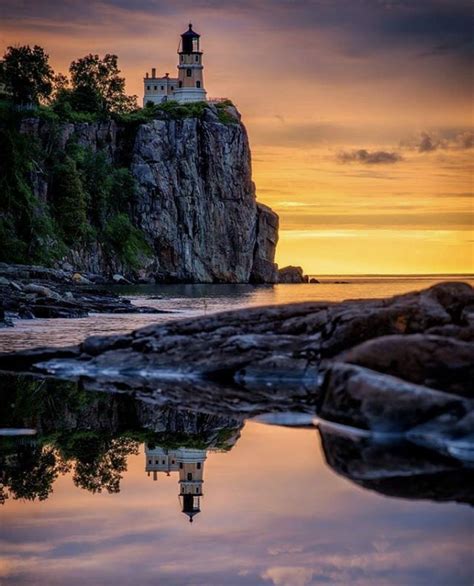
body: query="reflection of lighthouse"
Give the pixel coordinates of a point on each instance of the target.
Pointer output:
(190, 464)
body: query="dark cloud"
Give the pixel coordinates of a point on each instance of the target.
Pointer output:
(431, 26)
(369, 157)
(428, 143)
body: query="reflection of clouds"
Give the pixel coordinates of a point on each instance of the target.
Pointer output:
(288, 576)
(285, 548)
(273, 512)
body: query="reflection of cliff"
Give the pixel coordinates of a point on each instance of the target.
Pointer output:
(398, 469)
(91, 435)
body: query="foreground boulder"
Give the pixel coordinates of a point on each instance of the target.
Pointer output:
(361, 398)
(291, 358)
(287, 341)
(438, 362)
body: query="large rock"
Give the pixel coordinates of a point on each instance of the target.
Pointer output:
(292, 274)
(264, 270)
(361, 398)
(267, 342)
(439, 362)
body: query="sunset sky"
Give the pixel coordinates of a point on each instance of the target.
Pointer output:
(359, 112)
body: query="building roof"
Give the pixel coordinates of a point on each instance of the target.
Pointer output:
(190, 32)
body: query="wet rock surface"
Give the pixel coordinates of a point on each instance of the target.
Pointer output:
(302, 358)
(439, 362)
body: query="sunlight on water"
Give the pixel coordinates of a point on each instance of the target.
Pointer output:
(193, 300)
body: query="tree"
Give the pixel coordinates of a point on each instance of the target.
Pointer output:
(70, 204)
(26, 74)
(98, 87)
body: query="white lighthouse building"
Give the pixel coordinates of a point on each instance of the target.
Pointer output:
(189, 85)
(189, 463)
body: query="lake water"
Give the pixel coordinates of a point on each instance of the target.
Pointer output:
(192, 300)
(100, 494)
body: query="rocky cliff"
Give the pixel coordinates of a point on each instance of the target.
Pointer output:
(195, 202)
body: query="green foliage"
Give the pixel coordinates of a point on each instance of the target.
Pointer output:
(178, 111)
(98, 87)
(225, 117)
(26, 74)
(126, 240)
(69, 201)
(27, 232)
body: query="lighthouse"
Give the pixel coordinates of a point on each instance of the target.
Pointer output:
(189, 463)
(189, 85)
(190, 69)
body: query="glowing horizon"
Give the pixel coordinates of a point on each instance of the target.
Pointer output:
(359, 116)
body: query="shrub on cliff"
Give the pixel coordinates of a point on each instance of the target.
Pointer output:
(69, 201)
(126, 240)
(27, 231)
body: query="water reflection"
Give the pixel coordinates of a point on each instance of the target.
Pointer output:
(81, 504)
(189, 464)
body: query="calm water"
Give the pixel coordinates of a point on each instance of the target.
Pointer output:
(96, 495)
(191, 300)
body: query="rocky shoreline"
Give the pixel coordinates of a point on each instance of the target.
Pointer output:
(28, 292)
(399, 366)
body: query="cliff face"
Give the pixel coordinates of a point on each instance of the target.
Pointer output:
(196, 203)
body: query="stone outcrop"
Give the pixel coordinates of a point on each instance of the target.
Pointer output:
(361, 398)
(292, 274)
(28, 291)
(294, 357)
(439, 362)
(264, 270)
(196, 201)
(292, 339)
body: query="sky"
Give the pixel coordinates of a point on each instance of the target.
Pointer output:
(359, 112)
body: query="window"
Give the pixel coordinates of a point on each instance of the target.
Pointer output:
(172, 461)
(198, 466)
(164, 461)
(180, 84)
(172, 88)
(149, 461)
(196, 58)
(198, 84)
(189, 72)
(148, 87)
(162, 87)
(180, 464)
(190, 476)
(197, 489)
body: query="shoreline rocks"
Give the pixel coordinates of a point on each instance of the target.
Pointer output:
(28, 292)
(345, 362)
(291, 274)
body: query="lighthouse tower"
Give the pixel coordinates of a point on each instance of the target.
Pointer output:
(190, 78)
(190, 480)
